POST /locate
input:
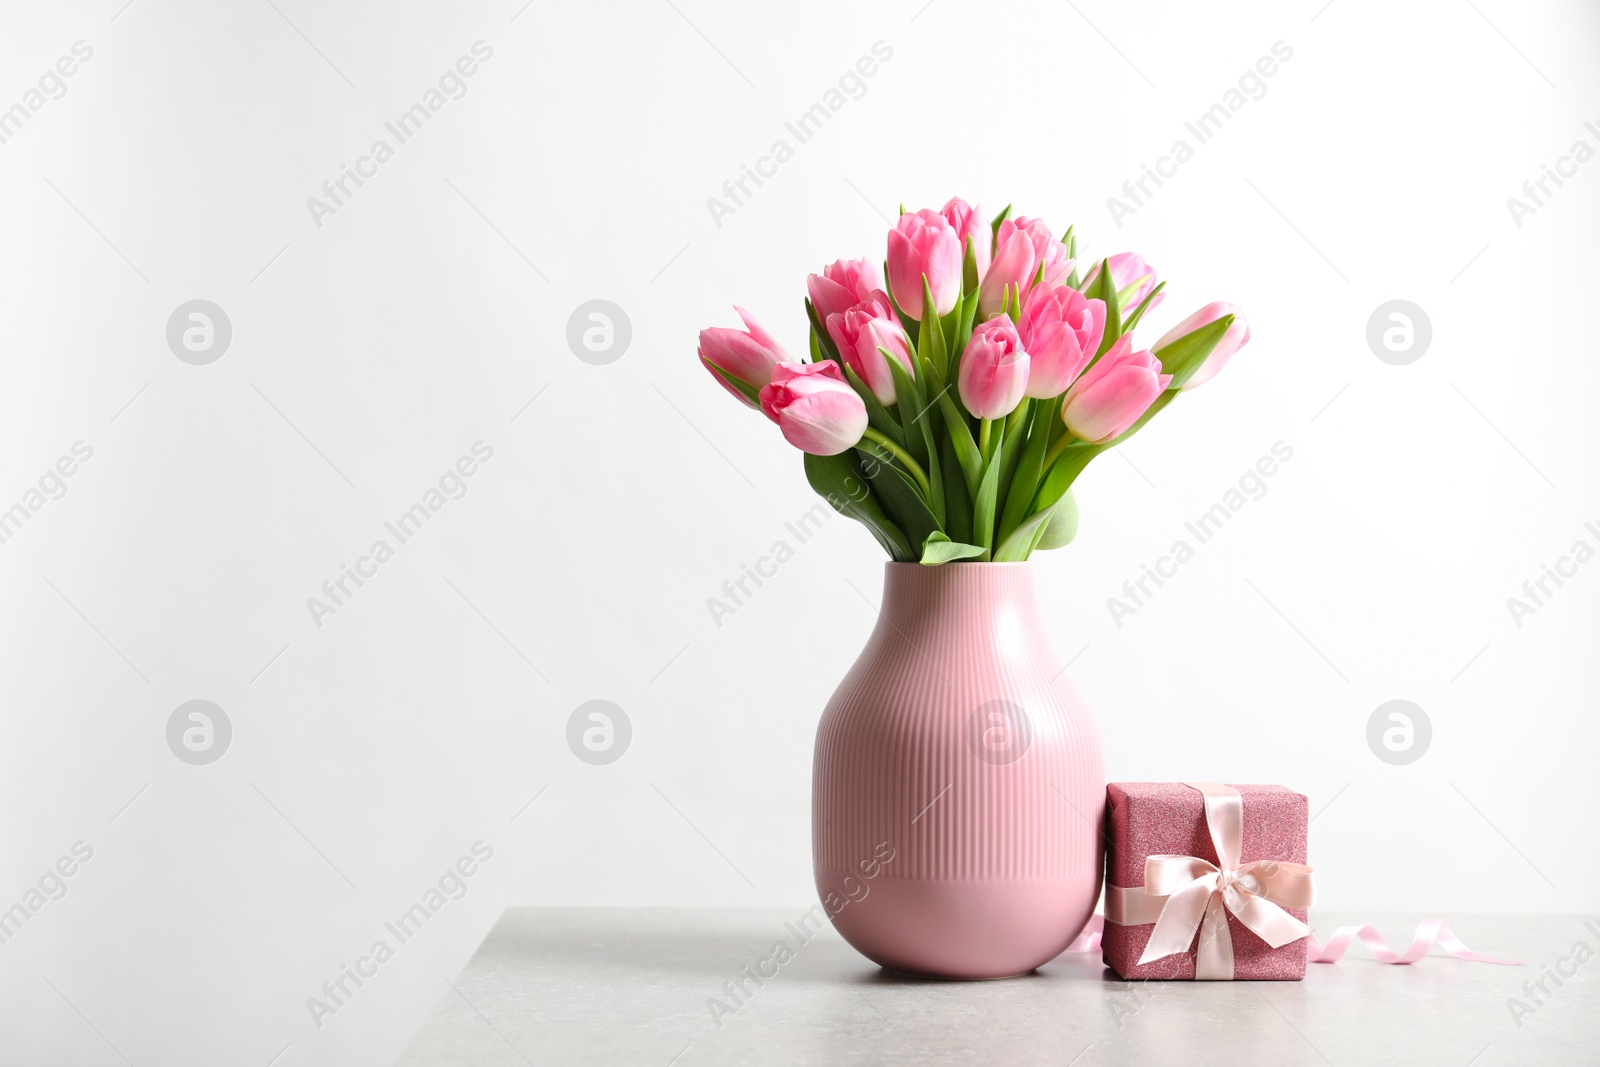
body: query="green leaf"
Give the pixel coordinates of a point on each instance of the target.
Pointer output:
(1011, 447)
(1144, 305)
(930, 336)
(897, 490)
(1063, 524)
(934, 472)
(969, 268)
(983, 508)
(1064, 472)
(1030, 466)
(1188, 353)
(921, 421)
(960, 437)
(939, 549)
(750, 392)
(819, 334)
(878, 416)
(950, 325)
(967, 312)
(957, 497)
(983, 501)
(994, 225)
(908, 402)
(838, 481)
(1103, 289)
(1125, 293)
(1015, 548)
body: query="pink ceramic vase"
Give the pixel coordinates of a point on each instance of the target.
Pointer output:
(958, 787)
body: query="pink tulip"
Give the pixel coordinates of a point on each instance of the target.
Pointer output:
(1061, 329)
(859, 333)
(1046, 249)
(923, 244)
(1113, 393)
(844, 284)
(1127, 268)
(1020, 246)
(815, 407)
(747, 356)
(994, 369)
(1237, 336)
(970, 227)
(1015, 263)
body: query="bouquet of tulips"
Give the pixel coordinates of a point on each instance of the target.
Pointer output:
(951, 412)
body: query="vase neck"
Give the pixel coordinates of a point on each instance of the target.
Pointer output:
(975, 594)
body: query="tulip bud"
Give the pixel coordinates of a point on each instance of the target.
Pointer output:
(1013, 268)
(923, 244)
(1126, 269)
(748, 355)
(815, 408)
(1020, 246)
(967, 219)
(842, 285)
(860, 333)
(994, 369)
(1046, 249)
(1114, 393)
(1061, 329)
(1236, 337)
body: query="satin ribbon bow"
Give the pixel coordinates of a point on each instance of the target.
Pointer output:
(1195, 894)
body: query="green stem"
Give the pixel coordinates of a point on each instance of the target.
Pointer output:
(904, 457)
(1056, 449)
(983, 438)
(1018, 418)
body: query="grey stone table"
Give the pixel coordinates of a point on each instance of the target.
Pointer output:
(572, 986)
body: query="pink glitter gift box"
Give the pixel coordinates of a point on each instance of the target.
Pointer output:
(1169, 818)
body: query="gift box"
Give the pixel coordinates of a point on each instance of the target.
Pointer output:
(1205, 880)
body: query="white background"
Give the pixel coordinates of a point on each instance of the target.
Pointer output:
(372, 351)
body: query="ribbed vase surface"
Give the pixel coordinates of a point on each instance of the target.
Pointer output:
(958, 784)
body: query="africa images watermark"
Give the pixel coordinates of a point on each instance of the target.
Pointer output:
(337, 191)
(452, 485)
(1538, 191)
(1252, 485)
(736, 592)
(1536, 592)
(1537, 992)
(741, 989)
(52, 486)
(51, 85)
(853, 81)
(1252, 85)
(52, 887)
(450, 886)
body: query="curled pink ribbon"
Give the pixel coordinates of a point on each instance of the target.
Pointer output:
(1430, 932)
(1194, 894)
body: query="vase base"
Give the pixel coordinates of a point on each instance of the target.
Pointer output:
(967, 930)
(949, 978)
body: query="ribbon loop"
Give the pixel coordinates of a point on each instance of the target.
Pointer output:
(1165, 875)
